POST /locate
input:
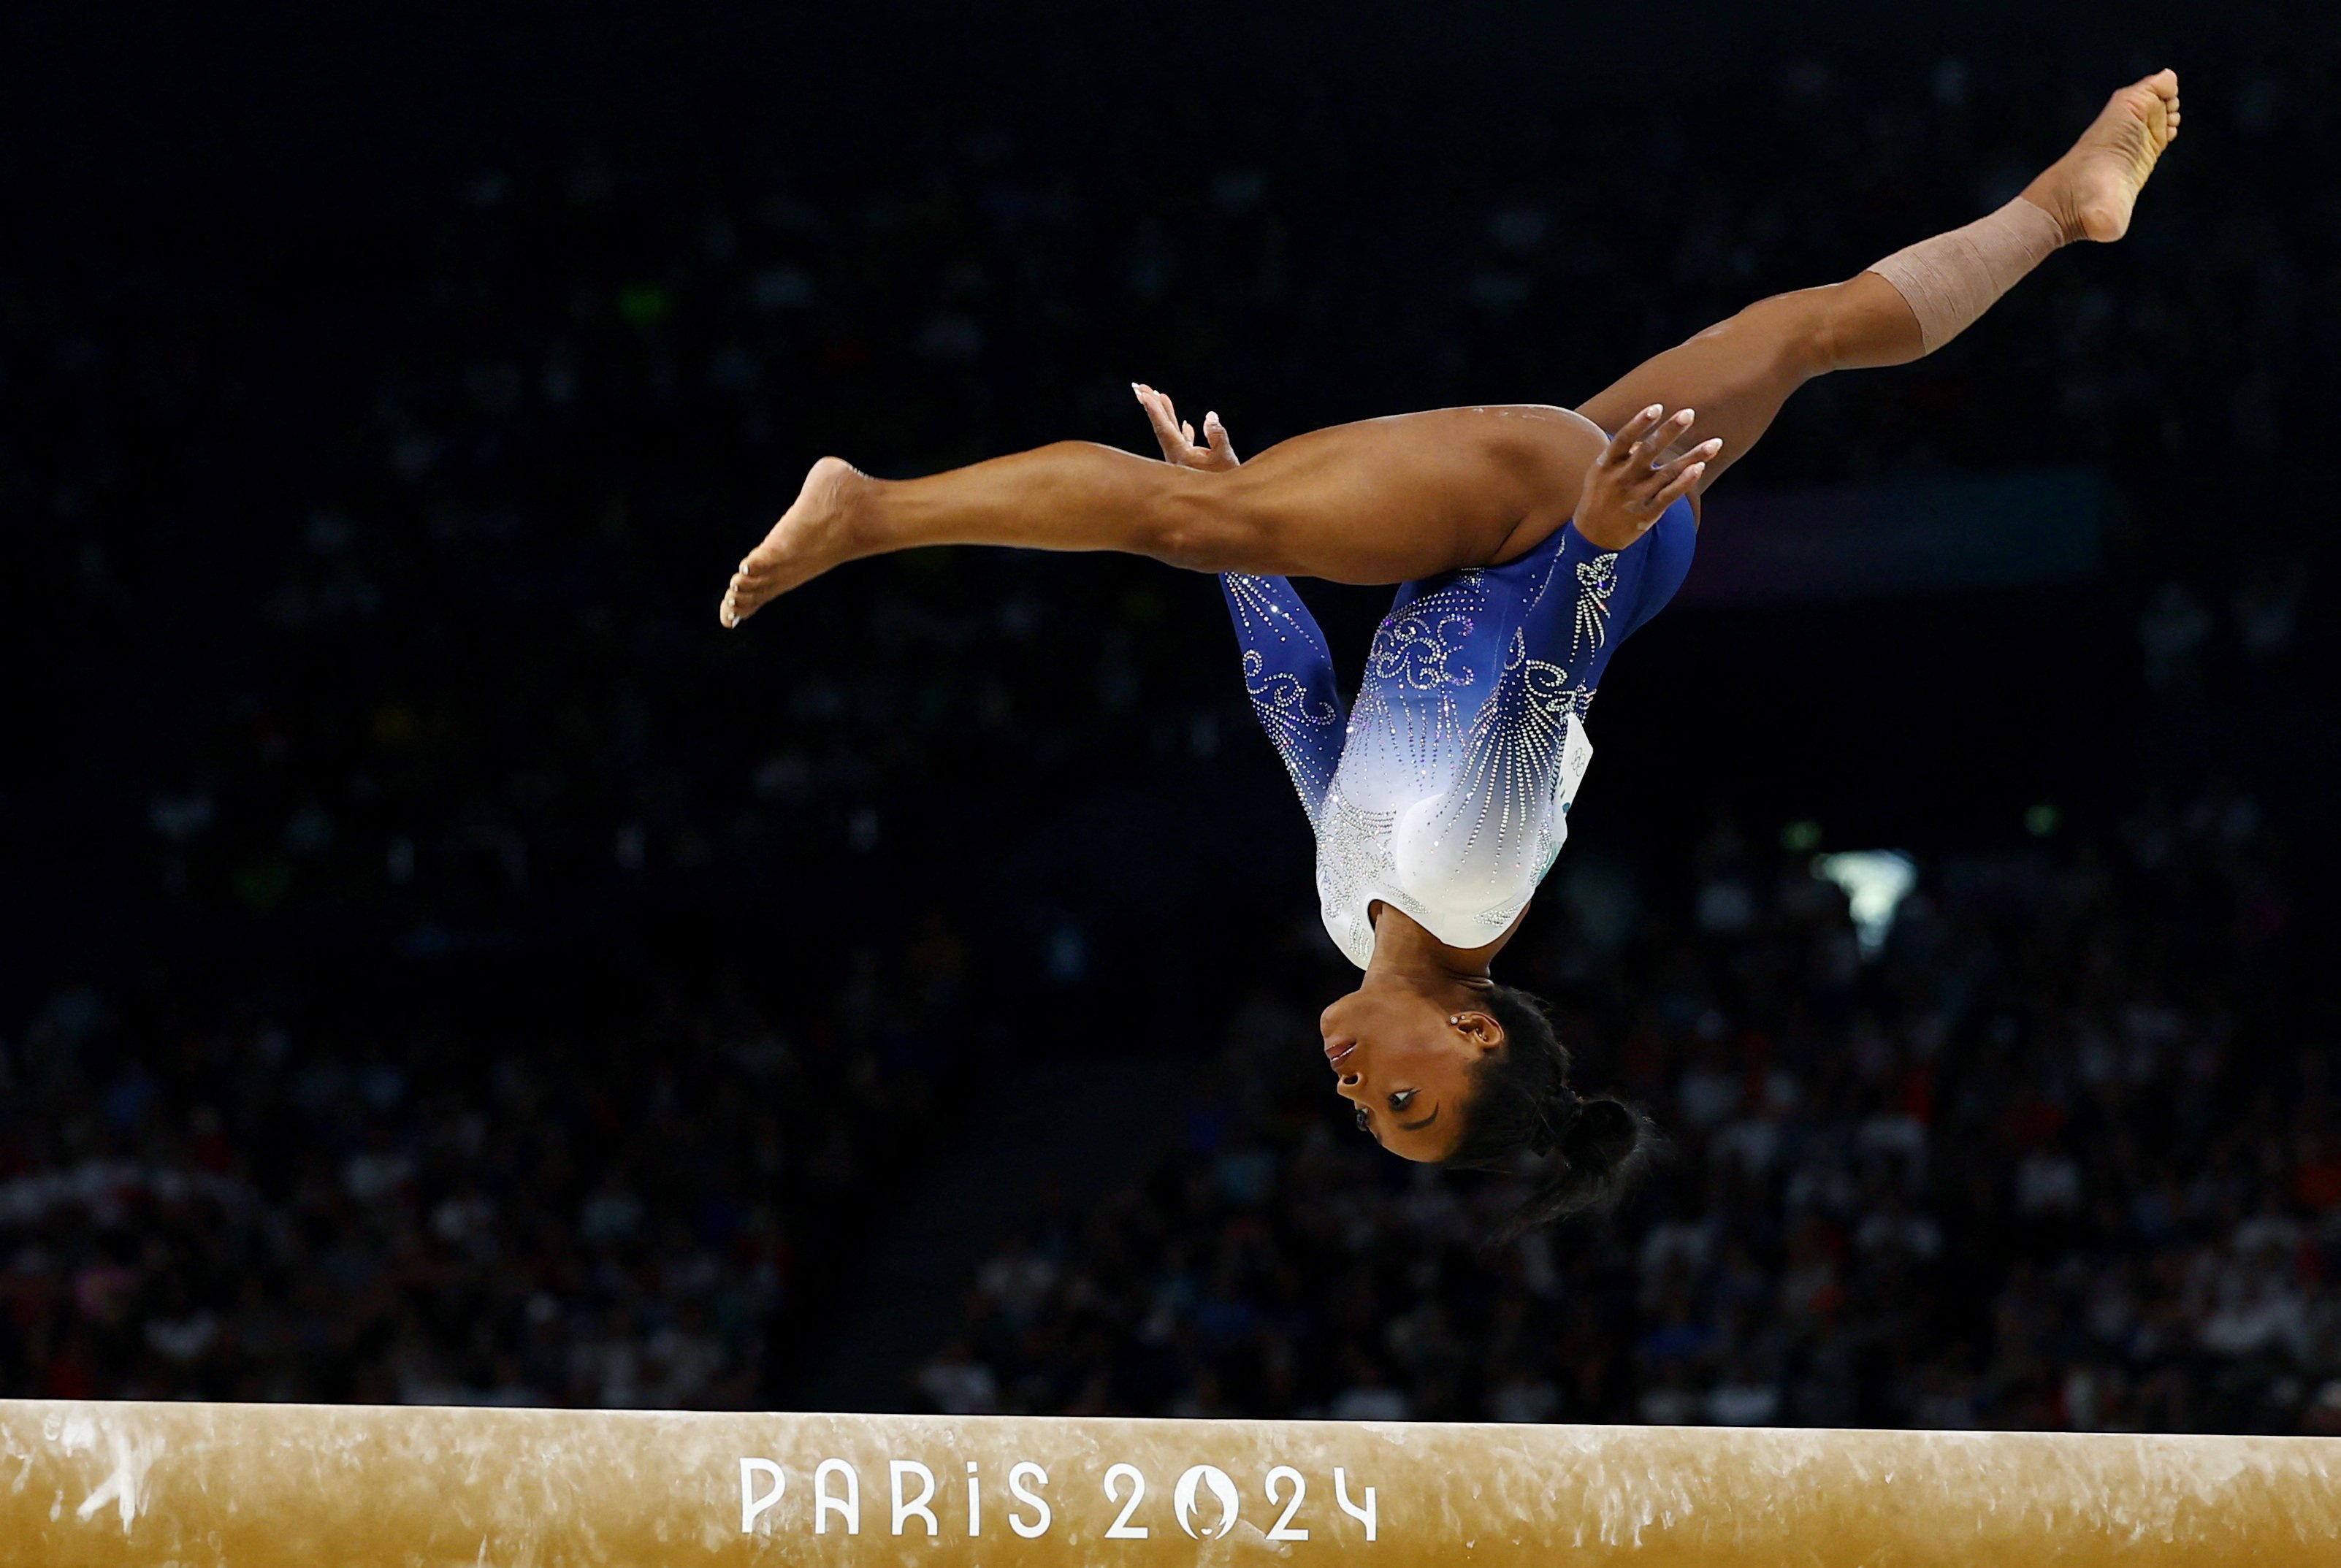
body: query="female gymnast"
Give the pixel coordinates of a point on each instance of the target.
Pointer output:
(1527, 542)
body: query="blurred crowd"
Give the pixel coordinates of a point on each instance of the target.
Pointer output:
(624, 1209)
(443, 965)
(2058, 1153)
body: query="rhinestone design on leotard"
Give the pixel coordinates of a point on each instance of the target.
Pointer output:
(1446, 791)
(1408, 725)
(1298, 698)
(1597, 580)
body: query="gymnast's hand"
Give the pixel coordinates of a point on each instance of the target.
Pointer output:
(1178, 440)
(1633, 480)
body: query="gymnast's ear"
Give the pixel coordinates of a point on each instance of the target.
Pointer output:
(1482, 1031)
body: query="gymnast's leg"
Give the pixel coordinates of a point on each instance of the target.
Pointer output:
(1382, 500)
(1737, 373)
(1390, 500)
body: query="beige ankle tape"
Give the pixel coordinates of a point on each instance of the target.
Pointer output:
(1952, 279)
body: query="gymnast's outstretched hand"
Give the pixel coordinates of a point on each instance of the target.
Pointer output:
(1178, 440)
(1633, 480)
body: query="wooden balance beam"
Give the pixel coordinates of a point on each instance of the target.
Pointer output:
(273, 1487)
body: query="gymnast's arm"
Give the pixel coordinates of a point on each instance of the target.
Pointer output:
(1287, 668)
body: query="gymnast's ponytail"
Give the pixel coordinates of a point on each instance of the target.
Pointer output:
(1522, 1102)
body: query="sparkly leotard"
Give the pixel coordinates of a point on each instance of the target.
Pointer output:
(1445, 791)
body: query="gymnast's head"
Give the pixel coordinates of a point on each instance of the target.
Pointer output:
(1474, 1086)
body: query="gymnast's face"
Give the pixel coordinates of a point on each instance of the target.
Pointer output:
(1404, 1061)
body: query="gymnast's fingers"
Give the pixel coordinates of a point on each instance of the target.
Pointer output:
(1660, 436)
(1159, 411)
(1217, 434)
(1679, 487)
(1164, 417)
(1621, 445)
(1665, 472)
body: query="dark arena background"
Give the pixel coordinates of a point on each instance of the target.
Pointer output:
(443, 966)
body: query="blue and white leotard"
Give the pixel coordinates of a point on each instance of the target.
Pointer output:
(1445, 790)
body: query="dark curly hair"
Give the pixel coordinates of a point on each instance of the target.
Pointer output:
(1521, 1103)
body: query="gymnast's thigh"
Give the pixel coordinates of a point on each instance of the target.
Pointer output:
(1388, 500)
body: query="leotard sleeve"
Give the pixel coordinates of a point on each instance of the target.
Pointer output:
(1670, 542)
(1288, 672)
(1595, 599)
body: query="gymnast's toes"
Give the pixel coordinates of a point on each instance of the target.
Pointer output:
(814, 535)
(2093, 188)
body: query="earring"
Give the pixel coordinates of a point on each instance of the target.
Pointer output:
(1457, 1020)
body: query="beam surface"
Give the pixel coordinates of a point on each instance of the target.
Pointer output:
(272, 1487)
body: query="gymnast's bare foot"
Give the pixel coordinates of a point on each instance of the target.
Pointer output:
(2091, 189)
(814, 535)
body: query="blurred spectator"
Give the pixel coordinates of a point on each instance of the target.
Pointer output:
(445, 1215)
(1984, 1211)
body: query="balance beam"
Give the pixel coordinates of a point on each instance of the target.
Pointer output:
(92, 1484)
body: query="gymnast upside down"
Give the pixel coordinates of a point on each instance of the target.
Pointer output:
(1527, 542)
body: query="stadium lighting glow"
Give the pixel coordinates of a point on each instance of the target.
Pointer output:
(1876, 881)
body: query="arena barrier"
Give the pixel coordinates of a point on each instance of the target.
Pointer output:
(102, 1484)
